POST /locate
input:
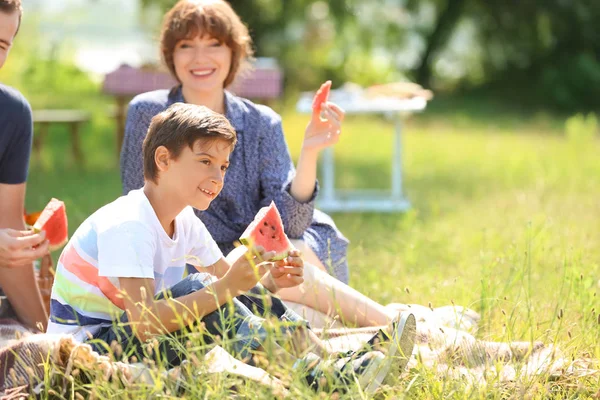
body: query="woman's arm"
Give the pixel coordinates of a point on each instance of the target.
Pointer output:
(320, 133)
(136, 127)
(276, 175)
(303, 184)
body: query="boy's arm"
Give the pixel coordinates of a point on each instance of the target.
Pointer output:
(220, 268)
(149, 316)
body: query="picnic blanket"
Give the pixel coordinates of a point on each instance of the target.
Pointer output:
(445, 344)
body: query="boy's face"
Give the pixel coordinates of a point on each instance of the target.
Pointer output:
(197, 175)
(9, 23)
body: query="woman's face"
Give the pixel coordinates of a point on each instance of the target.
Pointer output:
(202, 64)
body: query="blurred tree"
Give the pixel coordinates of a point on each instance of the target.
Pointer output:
(316, 40)
(548, 48)
(436, 38)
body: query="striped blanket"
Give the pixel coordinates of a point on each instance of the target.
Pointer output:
(444, 346)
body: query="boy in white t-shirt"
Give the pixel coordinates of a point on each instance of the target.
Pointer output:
(121, 276)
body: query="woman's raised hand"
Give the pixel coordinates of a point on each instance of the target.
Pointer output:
(325, 125)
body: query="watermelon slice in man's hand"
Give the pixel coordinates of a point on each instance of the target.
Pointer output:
(266, 230)
(321, 97)
(53, 220)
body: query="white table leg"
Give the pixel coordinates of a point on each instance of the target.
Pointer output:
(328, 163)
(397, 161)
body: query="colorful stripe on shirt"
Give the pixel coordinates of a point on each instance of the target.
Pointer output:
(79, 295)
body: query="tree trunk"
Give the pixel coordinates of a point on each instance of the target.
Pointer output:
(438, 38)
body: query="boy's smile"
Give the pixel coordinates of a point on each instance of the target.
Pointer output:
(209, 193)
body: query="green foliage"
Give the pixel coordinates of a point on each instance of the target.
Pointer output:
(534, 48)
(581, 130)
(573, 82)
(530, 46)
(48, 78)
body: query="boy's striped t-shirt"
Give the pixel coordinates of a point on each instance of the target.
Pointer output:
(123, 239)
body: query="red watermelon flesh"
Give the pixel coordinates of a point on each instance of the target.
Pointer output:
(321, 97)
(53, 221)
(267, 231)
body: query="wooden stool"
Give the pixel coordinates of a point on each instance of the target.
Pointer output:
(72, 118)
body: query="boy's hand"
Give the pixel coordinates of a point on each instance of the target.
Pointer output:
(286, 273)
(245, 273)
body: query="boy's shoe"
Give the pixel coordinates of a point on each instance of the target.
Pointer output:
(369, 369)
(397, 344)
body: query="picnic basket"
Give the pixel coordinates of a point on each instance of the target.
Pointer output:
(45, 279)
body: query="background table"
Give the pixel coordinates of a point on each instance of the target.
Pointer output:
(332, 199)
(72, 118)
(263, 83)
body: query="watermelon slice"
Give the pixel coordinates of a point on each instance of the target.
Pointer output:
(321, 97)
(53, 221)
(267, 231)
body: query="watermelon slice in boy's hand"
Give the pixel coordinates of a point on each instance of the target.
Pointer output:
(321, 97)
(53, 221)
(267, 231)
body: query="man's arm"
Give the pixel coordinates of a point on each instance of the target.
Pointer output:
(20, 284)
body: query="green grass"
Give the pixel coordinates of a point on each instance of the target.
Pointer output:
(504, 220)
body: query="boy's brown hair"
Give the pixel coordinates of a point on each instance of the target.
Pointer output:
(10, 6)
(182, 125)
(215, 18)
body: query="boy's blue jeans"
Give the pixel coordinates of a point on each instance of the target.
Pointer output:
(241, 322)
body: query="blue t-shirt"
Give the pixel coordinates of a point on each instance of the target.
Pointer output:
(16, 134)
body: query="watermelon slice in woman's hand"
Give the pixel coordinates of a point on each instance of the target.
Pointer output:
(266, 230)
(321, 97)
(53, 221)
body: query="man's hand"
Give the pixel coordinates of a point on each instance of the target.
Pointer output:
(245, 273)
(286, 273)
(20, 248)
